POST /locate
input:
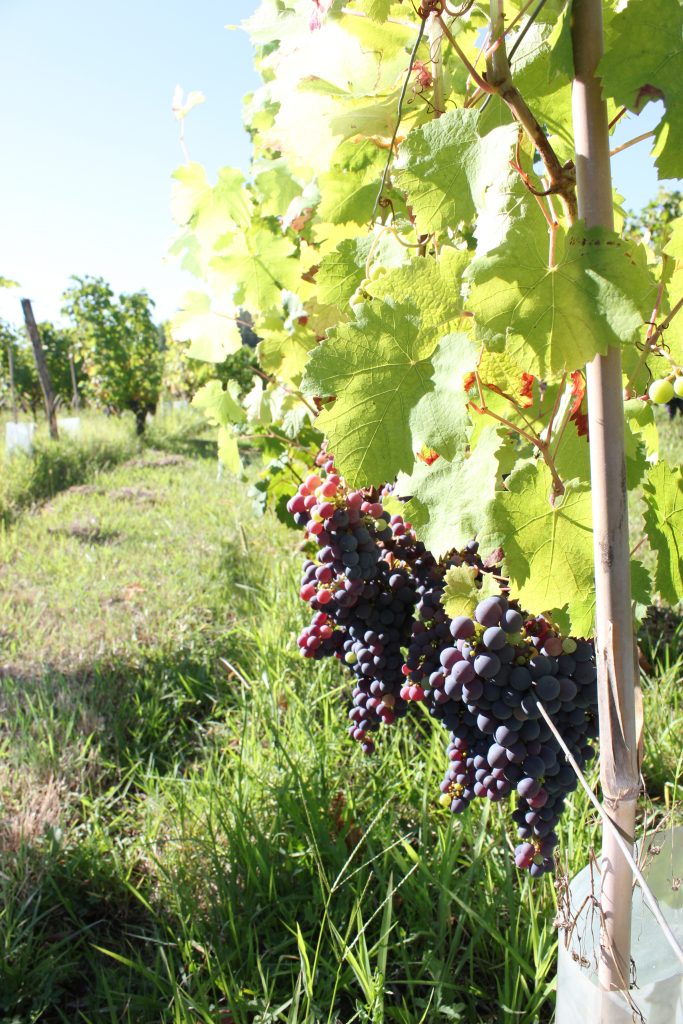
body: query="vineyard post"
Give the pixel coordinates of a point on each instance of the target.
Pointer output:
(12, 386)
(615, 648)
(76, 403)
(41, 365)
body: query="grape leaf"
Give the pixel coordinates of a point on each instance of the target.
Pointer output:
(641, 422)
(441, 420)
(445, 166)
(376, 10)
(283, 353)
(211, 210)
(663, 494)
(554, 319)
(643, 61)
(435, 287)
(211, 330)
(548, 550)
(342, 271)
(378, 368)
(572, 455)
(449, 500)
(462, 595)
(275, 185)
(228, 451)
(220, 406)
(257, 270)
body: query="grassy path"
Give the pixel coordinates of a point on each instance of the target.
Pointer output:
(186, 834)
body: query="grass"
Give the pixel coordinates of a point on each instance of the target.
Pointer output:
(187, 833)
(101, 444)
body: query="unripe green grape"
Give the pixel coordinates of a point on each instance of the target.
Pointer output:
(678, 387)
(661, 391)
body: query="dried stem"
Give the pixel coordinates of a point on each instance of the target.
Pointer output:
(632, 142)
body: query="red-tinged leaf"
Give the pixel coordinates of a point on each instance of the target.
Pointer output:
(527, 390)
(427, 455)
(578, 390)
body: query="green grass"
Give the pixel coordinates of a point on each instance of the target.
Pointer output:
(187, 833)
(103, 442)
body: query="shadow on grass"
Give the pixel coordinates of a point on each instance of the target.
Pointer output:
(60, 908)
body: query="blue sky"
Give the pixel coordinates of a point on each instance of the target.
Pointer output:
(89, 142)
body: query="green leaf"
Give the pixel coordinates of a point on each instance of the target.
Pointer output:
(228, 451)
(212, 332)
(342, 271)
(257, 404)
(445, 166)
(663, 494)
(643, 62)
(462, 595)
(548, 548)
(276, 187)
(378, 368)
(450, 500)
(283, 354)
(210, 210)
(219, 406)
(376, 10)
(641, 420)
(572, 456)
(441, 420)
(555, 319)
(434, 287)
(257, 270)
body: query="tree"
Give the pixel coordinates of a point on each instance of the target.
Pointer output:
(119, 345)
(26, 383)
(426, 243)
(653, 223)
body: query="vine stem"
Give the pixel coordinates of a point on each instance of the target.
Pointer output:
(653, 336)
(283, 387)
(529, 435)
(616, 655)
(474, 74)
(562, 178)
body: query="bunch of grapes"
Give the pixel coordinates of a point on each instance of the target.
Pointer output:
(376, 596)
(360, 586)
(501, 666)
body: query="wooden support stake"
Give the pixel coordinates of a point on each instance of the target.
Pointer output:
(12, 386)
(76, 402)
(615, 647)
(41, 365)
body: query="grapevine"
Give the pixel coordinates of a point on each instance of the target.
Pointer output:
(376, 595)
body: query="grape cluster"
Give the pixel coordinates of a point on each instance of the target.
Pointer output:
(376, 596)
(500, 667)
(360, 587)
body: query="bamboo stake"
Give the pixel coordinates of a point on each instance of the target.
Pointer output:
(615, 647)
